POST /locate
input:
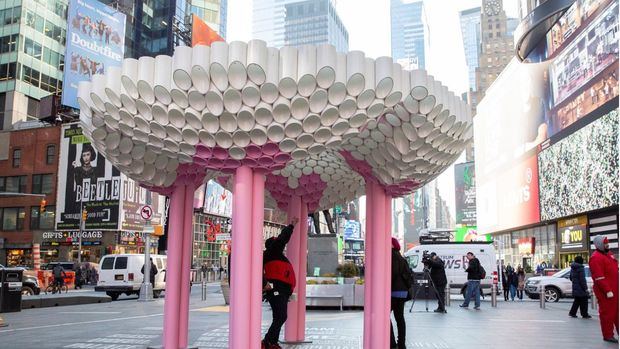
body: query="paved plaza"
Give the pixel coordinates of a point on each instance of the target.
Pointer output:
(129, 324)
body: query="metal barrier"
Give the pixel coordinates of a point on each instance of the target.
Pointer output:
(494, 296)
(204, 290)
(447, 301)
(541, 295)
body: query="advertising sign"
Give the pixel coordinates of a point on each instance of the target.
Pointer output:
(352, 230)
(587, 55)
(95, 41)
(85, 176)
(466, 234)
(465, 196)
(202, 34)
(579, 173)
(526, 246)
(218, 201)
(573, 234)
(133, 198)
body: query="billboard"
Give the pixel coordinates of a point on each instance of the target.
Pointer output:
(85, 177)
(593, 50)
(352, 229)
(465, 196)
(470, 233)
(579, 173)
(573, 234)
(133, 197)
(95, 41)
(218, 201)
(202, 34)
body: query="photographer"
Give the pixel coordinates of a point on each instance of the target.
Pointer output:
(438, 276)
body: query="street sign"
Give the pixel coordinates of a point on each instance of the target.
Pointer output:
(338, 209)
(146, 212)
(222, 237)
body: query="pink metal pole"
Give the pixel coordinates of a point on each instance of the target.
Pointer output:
(303, 271)
(368, 274)
(386, 292)
(239, 322)
(380, 310)
(293, 254)
(186, 264)
(173, 276)
(258, 215)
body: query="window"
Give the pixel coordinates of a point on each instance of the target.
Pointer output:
(121, 263)
(42, 221)
(107, 263)
(12, 218)
(31, 76)
(50, 154)
(14, 184)
(42, 183)
(33, 107)
(17, 157)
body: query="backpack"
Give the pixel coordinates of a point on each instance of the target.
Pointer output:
(483, 273)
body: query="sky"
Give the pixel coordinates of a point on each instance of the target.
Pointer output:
(368, 24)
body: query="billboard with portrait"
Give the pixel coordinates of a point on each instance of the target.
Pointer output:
(579, 173)
(85, 178)
(592, 50)
(465, 193)
(95, 41)
(218, 201)
(133, 197)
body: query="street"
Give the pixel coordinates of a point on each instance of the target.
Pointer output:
(129, 324)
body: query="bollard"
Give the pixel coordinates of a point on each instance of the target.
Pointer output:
(494, 296)
(594, 300)
(541, 295)
(447, 300)
(204, 290)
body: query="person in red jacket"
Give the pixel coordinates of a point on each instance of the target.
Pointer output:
(278, 283)
(604, 269)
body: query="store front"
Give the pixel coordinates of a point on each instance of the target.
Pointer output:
(543, 243)
(18, 257)
(573, 240)
(133, 242)
(211, 240)
(64, 245)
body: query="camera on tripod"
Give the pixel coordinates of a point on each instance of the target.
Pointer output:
(426, 257)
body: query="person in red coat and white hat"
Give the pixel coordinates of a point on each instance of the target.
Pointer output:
(604, 269)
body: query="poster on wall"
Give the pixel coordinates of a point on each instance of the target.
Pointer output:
(218, 201)
(593, 50)
(573, 234)
(95, 41)
(579, 173)
(85, 177)
(465, 196)
(133, 197)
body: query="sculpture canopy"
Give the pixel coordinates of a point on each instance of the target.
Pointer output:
(318, 122)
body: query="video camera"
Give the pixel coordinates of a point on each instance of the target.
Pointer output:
(426, 257)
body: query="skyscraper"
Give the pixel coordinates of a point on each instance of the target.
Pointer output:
(295, 23)
(470, 30)
(410, 33)
(213, 12)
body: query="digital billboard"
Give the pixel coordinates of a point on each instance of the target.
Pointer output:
(469, 234)
(593, 50)
(465, 193)
(218, 201)
(95, 41)
(85, 177)
(579, 173)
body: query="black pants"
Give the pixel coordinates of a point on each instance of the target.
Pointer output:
(582, 304)
(506, 291)
(441, 296)
(398, 307)
(519, 293)
(279, 310)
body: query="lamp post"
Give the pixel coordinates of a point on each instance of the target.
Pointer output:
(146, 289)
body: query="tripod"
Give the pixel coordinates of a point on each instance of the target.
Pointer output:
(426, 283)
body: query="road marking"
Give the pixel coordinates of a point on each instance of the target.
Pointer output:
(89, 312)
(80, 323)
(512, 320)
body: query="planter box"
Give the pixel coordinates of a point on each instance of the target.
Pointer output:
(346, 291)
(358, 296)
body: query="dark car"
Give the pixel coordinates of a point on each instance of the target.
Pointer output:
(30, 284)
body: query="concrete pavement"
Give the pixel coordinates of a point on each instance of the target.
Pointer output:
(128, 324)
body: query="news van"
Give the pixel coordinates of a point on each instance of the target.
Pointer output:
(454, 256)
(121, 273)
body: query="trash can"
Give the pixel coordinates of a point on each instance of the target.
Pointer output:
(10, 290)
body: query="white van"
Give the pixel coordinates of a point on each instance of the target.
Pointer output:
(121, 273)
(454, 256)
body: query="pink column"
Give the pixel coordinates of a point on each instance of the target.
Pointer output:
(173, 268)
(294, 255)
(380, 310)
(303, 271)
(186, 264)
(368, 274)
(386, 286)
(258, 215)
(239, 322)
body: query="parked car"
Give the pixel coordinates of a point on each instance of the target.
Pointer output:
(30, 284)
(121, 273)
(556, 286)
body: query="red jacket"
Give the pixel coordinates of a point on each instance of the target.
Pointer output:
(604, 269)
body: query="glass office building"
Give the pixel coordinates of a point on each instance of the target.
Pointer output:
(410, 33)
(470, 31)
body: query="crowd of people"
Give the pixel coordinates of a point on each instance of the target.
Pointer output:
(85, 274)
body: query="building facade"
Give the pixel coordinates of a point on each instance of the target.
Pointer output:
(470, 31)
(295, 23)
(410, 33)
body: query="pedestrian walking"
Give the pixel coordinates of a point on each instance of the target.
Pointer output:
(154, 272)
(79, 276)
(513, 282)
(402, 280)
(580, 289)
(604, 269)
(505, 285)
(278, 283)
(520, 282)
(475, 272)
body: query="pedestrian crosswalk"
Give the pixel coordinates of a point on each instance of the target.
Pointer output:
(116, 341)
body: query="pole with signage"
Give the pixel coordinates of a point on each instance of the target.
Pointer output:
(146, 289)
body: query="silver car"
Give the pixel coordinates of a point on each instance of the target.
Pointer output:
(556, 286)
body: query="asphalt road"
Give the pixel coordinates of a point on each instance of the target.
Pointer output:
(129, 324)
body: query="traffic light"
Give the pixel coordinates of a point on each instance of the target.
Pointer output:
(84, 214)
(42, 205)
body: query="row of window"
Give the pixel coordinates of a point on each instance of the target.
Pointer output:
(48, 28)
(10, 15)
(47, 55)
(43, 81)
(8, 71)
(13, 218)
(41, 184)
(59, 7)
(9, 43)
